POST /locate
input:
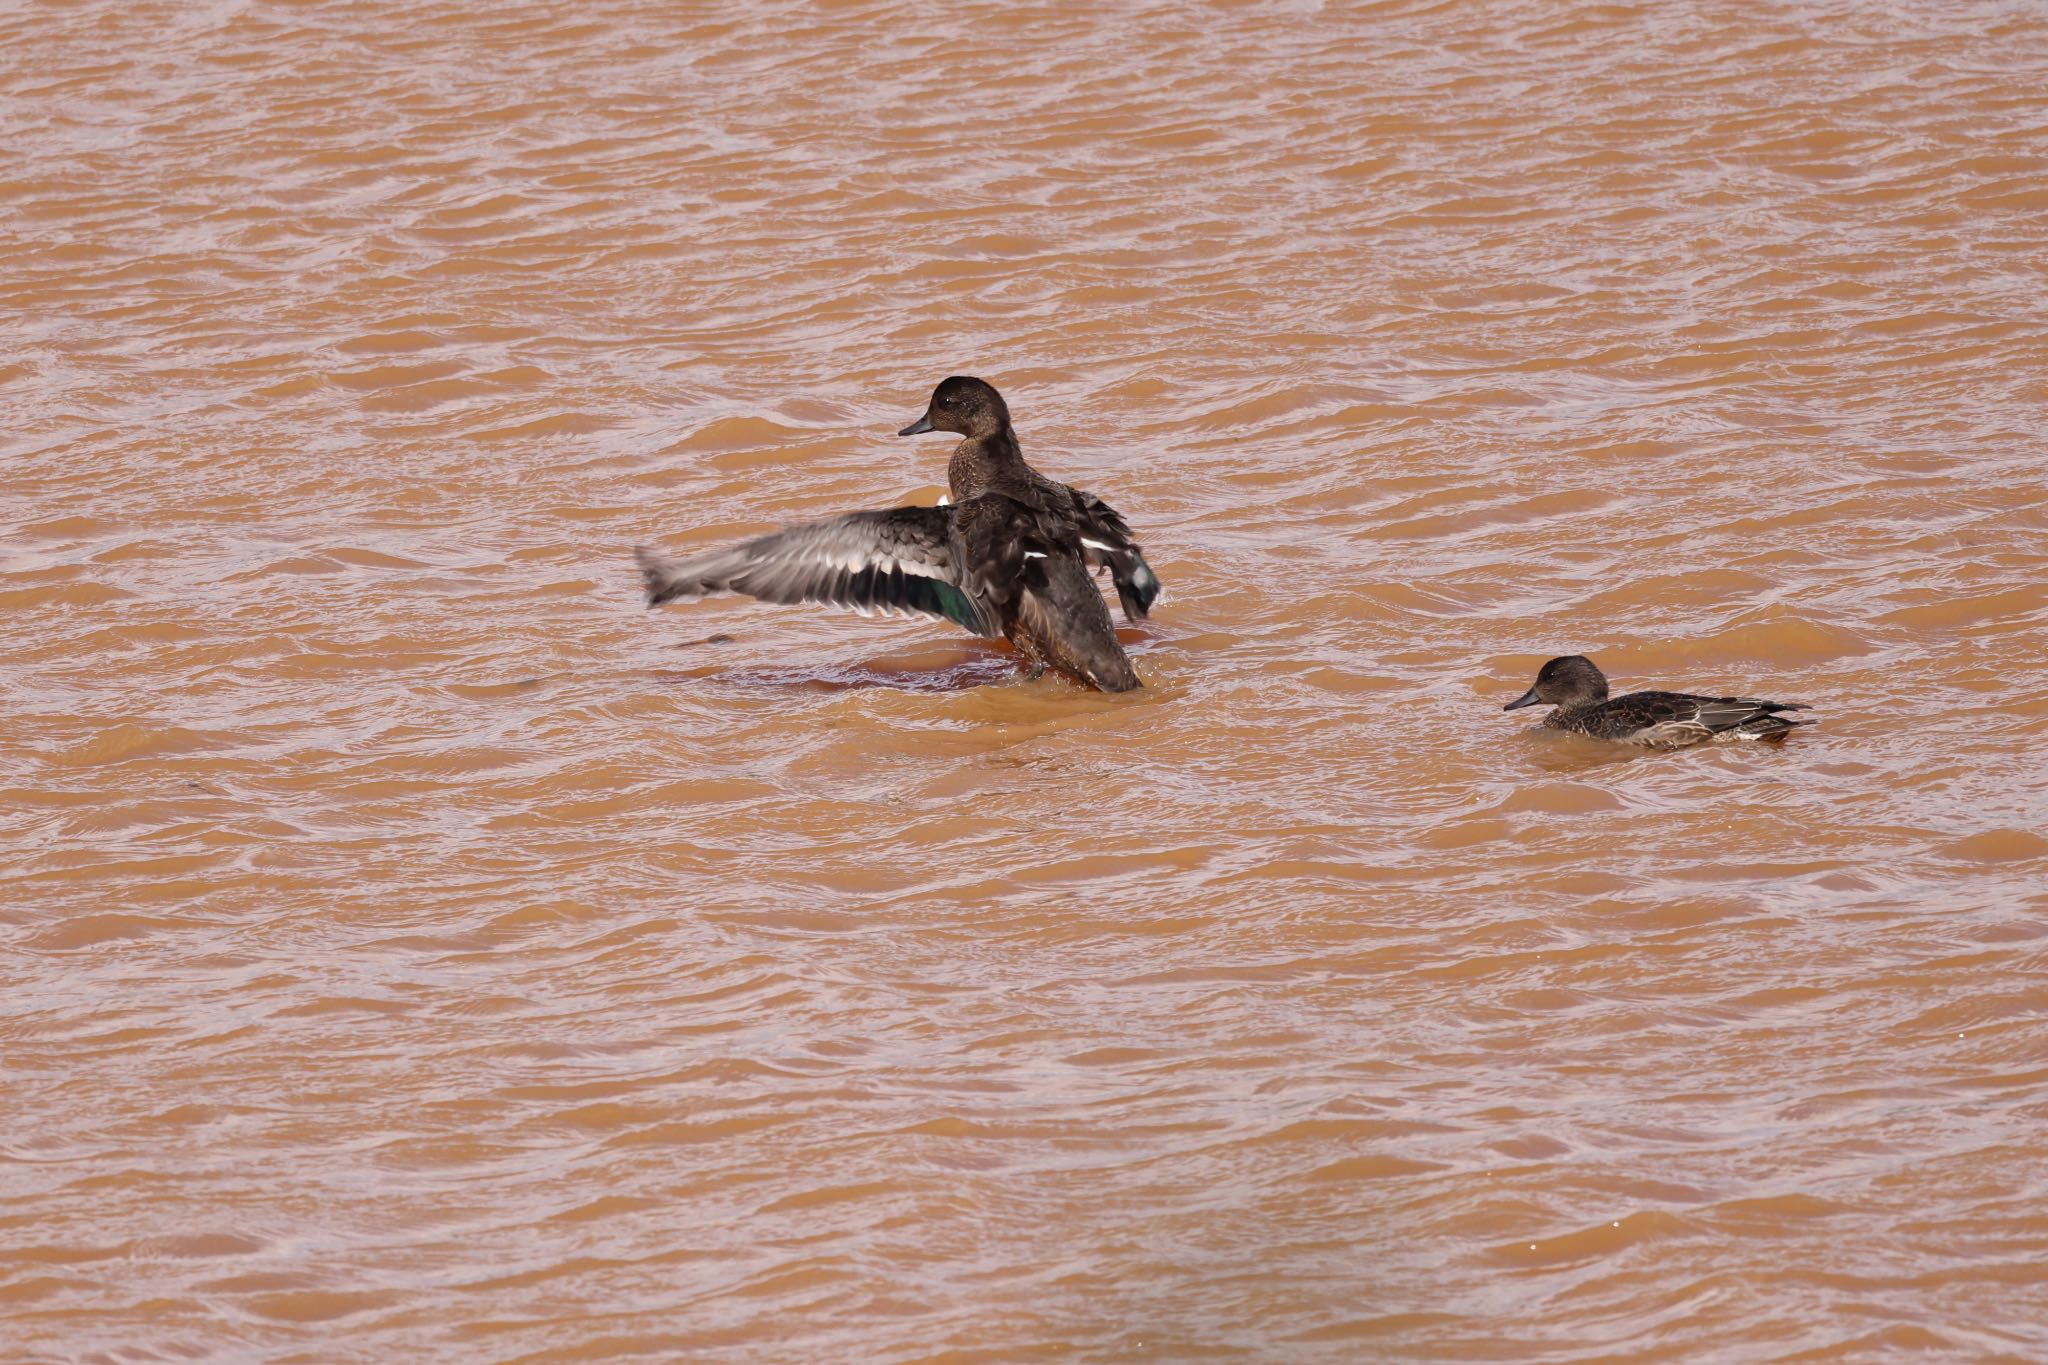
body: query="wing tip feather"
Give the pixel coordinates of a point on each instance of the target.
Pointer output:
(656, 574)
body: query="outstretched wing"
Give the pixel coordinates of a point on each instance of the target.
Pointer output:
(898, 561)
(1106, 543)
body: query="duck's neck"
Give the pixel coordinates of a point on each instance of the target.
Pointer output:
(982, 463)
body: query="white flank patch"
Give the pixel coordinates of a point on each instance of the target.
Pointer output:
(1034, 554)
(1098, 545)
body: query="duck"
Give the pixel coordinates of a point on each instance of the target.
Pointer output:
(1010, 554)
(1656, 720)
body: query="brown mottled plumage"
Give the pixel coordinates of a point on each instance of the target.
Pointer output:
(1656, 720)
(1010, 557)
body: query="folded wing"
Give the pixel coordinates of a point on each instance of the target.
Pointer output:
(1677, 718)
(901, 561)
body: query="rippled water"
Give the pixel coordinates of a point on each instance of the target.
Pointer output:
(413, 949)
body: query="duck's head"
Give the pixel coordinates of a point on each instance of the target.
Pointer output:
(1569, 681)
(969, 406)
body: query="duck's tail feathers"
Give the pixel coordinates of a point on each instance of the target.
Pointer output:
(1763, 720)
(1774, 727)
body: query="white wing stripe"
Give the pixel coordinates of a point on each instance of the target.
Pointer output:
(856, 563)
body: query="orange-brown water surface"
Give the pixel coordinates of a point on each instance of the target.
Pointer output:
(411, 948)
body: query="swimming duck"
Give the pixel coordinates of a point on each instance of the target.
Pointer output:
(1656, 720)
(1009, 557)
